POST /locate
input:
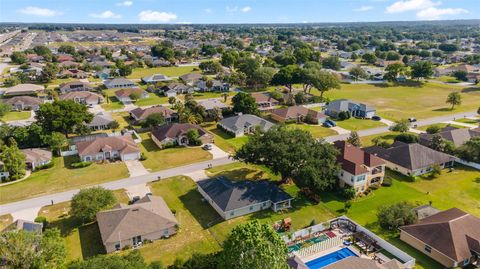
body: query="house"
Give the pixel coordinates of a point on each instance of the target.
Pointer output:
(108, 148)
(237, 198)
(298, 114)
(411, 159)
(130, 225)
(156, 78)
(36, 157)
(264, 101)
(73, 73)
(358, 110)
(83, 97)
(178, 88)
(141, 114)
(75, 86)
(64, 57)
(211, 104)
(116, 83)
(217, 86)
(244, 124)
(450, 237)
(23, 89)
(457, 136)
(123, 95)
(359, 169)
(103, 74)
(101, 121)
(191, 78)
(176, 134)
(20, 103)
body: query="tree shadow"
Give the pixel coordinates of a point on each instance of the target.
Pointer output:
(66, 225)
(443, 109)
(471, 89)
(90, 240)
(242, 174)
(205, 215)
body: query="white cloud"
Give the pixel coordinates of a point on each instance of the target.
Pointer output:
(246, 9)
(38, 11)
(105, 15)
(363, 8)
(208, 10)
(159, 16)
(409, 5)
(125, 3)
(434, 13)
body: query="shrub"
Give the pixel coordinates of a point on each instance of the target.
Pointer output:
(45, 166)
(43, 220)
(407, 138)
(80, 164)
(387, 182)
(342, 115)
(143, 157)
(348, 192)
(393, 216)
(433, 129)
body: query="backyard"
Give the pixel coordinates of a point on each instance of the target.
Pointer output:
(159, 159)
(173, 71)
(16, 115)
(61, 177)
(223, 140)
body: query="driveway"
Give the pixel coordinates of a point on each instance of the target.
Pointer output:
(95, 109)
(340, 130)
(217, 153)
(468, 125)
(139, 190)
(136, 168)
(387, 122)
(197, 175)
(26, 214)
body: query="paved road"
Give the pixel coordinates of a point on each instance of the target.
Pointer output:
(113, 185)
(419, 123)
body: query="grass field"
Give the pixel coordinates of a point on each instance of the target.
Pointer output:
(354, 124)
(153, 99)
(16, 115)
(159, 159)
(60, 178)
(398, 102)
(223, 140)
(5, 220)
(112, 103)
(441, 125)
(174, 71)
(317, 131)
(387, 136)
(121, 118)
(469, 121)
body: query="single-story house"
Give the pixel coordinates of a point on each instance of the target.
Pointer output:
(83, 97)
(23, 89)
(20, 103)
(450, 237)
(211, 104)
(359, 169)
(130, 225)
(356, 109)
(237, 198)
(141, 114)
(123, 95)
(108, 148)
(244, 124)
(191, 78)
(264, 101)
(176, 133)
(116, 83)
(457, 136)
(100, 121)
(156, 78)
(35, 157)
(217, 86)
(68, 64)
(411, 159)
(298, 114)
(179, 88)
(75, 86)
(73, 73)
(64, 57)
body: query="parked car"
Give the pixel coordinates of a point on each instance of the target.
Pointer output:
(207, 147)
(377, 118)
(326, 124)
(331, 122)
(412, 119)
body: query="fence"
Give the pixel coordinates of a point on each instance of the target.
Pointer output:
(306, 232)
(470, 164)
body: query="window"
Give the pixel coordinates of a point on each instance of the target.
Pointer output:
(117, 246)
(360, 178)
(231, 213)
(428, 248)
(251, 208)
(165, 232)
(466, 262)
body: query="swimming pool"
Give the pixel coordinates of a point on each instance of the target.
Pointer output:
(330, 258)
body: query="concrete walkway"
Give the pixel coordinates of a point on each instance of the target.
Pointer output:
(468, 125)
(217, 152)
(387, 122)
(197, 175)
(136, 168)
(139, 190)
(26, 214)
(340, 130)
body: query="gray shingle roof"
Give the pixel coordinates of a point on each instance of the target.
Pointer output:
(230, 195)
(238, 122)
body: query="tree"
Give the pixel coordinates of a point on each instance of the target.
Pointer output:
(325, 82)
(210, 67)
(253, 245)
(172, 100)
(448, 47)
(25, 250)
(49, 72)
(11, 81)
(401, 126)
(13, 160)
(88, 202)
(132, 260)
(294, 154)
(369, 58)
(439, 144)
(357, 72)
(247, 65)
(300, 98)
(193, 137)
(217, 114)
(69, 49)
(393, 216)
(354, 139)
(470, 150)
(287, 76)
(262, 77)
(433, 129)
(393, 71)
(134, 96)
(229, 58)
(245, 103)
(56, 141)
(332, 62)
(454, 98)
(4, 109)
(406, 138)
(154, 119)
(62, 116)
(422, 69)
(18, 57)
(113, 125)
(460, 75)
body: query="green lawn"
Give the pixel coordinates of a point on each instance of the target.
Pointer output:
(60, 178)
(159, 159)
(153, 99)
(469, 121)
(387, 136)
(111, 102)
(5, 220)
(448, 79)
(16, 115)
(441, 125)
(317, 131)
(354, 124)
(397, 102)
(174, 71)
(122, 119)
(224, 140)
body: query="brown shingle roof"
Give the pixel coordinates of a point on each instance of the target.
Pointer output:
(293, 112)
(122, 144)
(35, 155)
(457, 136)
(143, 113)
(26, 100)
(88, 96)
(261, 97)
(452, 232)
(128, 92)
(148, 215)
(354, 160)
(174, 130)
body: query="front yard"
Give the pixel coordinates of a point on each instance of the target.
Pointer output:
(354, 124)
(60, 178)
(223, 140)
(173, 71)
(317, 131)
(159, 159)
(153, 99)
(16, 115)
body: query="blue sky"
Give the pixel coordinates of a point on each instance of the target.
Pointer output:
(244, 11)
